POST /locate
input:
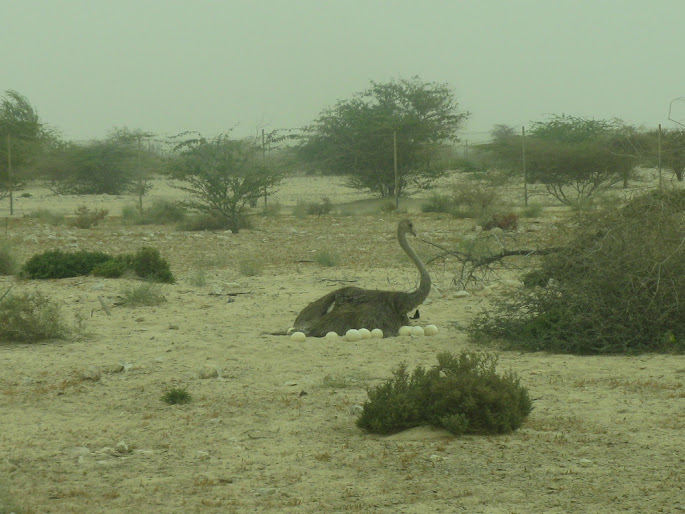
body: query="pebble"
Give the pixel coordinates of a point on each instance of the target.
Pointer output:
(356, 410)
(122, 448)
(91, 373)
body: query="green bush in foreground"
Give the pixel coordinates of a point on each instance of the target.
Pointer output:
(462, 394)
(29, 318)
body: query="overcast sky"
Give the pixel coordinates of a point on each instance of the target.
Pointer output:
(168, 65)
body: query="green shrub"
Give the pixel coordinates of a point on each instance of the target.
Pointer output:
(8, 264)
(462, 394)
(85, 218)
(177, 396)
(113, 268)
(617, 287)
(59, 264)
(29, 318)
(438, 203)
(146, 294)
(326, 258)
(149, 264)
(162, 212)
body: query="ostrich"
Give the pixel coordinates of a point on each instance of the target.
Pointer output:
(354, 307)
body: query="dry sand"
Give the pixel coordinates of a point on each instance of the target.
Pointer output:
(83, 429)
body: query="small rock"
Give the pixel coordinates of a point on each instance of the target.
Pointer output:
(461, 294)
(80, 451)
(356, 410)
(290, 383)
(122, 448)
(113, 368)
(208, 371)
(91, 373)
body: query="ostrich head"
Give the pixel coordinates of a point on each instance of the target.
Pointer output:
(406, 227)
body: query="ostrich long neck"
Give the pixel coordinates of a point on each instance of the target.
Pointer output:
(415, 298)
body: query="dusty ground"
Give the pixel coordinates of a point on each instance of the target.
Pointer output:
(83, 428)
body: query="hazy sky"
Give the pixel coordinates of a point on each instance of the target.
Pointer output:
(167, 65)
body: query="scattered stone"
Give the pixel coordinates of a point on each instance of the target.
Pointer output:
(290, 383)
(208, 371)
(113, 368)
(122, 448)
(80, 451)
(98, 286)
(461, 294)
(91, 373)
(586, 463)
(356, 410)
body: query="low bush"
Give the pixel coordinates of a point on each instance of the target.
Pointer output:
(326, 258)
(318, 209)
(502, 221)
(177, 396)
(438, 203)
(149, 264)
(85, 218)
(462, 394)
(59, 264)
(617, 287)
(29, 318)
(143, 295)
(202, 222)
(46, 216)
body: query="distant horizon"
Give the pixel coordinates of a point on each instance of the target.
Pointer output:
(167, 66)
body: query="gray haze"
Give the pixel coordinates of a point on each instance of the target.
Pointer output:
(168, 65)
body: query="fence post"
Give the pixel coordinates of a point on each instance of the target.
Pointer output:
(661, 179)
(523, 157)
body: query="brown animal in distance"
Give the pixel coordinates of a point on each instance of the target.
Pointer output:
(354, 307)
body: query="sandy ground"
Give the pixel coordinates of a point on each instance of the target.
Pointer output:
(83, 428)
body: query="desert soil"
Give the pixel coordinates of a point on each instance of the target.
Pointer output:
(271, 426)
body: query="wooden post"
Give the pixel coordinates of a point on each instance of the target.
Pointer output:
(661, 179)
(397, 178)
(264, 164)
(141, 182)
(525, 175)
(9, 173)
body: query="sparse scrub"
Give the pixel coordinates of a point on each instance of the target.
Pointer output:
(618, 287)
(462, 394)
(533, 210)
(177, 396)
(327, 259)
(273, 208)
(161, 212)
(209, 222)
(502, 221)
(29, 318)
(46, 216)
(318, 209)
(85, 218)
(198, 278)
(8, 264)
(438, 203)
(143, 295)
(475, 199)
(250, 267)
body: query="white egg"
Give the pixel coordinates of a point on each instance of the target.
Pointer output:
(405, 330)
(377, 333)
(353, 335)
(298, 337)
(430, 330)
(332, 335)
(365, 333)
(416, 331)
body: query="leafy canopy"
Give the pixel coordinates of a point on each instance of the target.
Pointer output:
(355, 136)
(223, 175)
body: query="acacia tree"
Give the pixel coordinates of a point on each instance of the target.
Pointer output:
(21, 135)
(355, 137)
(222, 175)
(574, 157)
